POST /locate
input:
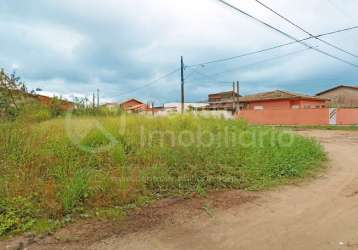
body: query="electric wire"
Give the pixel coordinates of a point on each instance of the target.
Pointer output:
(305, 31)
(286, 34)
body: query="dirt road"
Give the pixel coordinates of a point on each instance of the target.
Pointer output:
(318, 214)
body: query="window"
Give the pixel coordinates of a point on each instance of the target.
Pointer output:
(295, 106)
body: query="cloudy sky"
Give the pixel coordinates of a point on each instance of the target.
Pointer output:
(73, 47)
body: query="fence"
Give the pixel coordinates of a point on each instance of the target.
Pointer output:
(323, 116)
(347, 116)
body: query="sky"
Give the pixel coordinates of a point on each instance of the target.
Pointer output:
(121, 47)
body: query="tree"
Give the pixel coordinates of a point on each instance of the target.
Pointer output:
(12, 89)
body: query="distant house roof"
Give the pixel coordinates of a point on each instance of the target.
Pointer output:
(277, 95)
(130, 100)
(337, 87)
(226, 93)
(138, 107)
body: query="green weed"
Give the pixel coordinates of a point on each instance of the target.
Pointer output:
(149, 159)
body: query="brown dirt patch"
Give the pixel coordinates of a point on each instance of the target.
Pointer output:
(164, 212)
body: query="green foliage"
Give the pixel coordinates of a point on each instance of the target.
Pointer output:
(32, 111)
(41, 226)
(146, 159)
(118, 154)
(16, 215)
(17, 103)
(12, 92)
(42, 115)
(95, 138)
(74, 189)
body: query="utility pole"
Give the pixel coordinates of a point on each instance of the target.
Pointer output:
(238, 96)
(93, 101)
(152, 108)
(98, 98)
(233, 98)
(182, 85)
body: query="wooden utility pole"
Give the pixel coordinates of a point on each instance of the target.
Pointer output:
(233, 98)
(182, 85)
(98, 98)
(152, 108)
(238, 96)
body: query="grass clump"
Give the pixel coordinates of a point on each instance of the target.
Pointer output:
(105, 165)
(74, 189)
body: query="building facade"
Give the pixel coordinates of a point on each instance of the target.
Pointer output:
(126, 105)
(223, 101)
(281, 100)
(342, 96)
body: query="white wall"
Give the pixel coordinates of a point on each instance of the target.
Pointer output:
(177, 105)
(221, 114)
(224, 114)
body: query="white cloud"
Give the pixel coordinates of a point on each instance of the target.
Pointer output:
(77, 46)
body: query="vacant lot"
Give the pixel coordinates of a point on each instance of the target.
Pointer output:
(54, 172)
(319, 214)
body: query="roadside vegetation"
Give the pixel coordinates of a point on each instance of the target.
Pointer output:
(49, 176)
(57, 167)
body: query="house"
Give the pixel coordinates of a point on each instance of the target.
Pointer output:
(223, 101)
(134, 106)
(342, 96)
(139, 108)
(279, 99)
(130, 104)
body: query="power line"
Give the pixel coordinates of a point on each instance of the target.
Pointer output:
(210, 77)
(263, 61)
(271, 48)
(286, 34)
(208, 81)
(189, 75)
(257, 63)
(344, 13)
(149, 83)
(337, 31)
(305, 31)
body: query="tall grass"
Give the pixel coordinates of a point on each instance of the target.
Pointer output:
(62, 166)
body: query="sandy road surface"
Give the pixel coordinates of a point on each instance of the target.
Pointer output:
(320, 214)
